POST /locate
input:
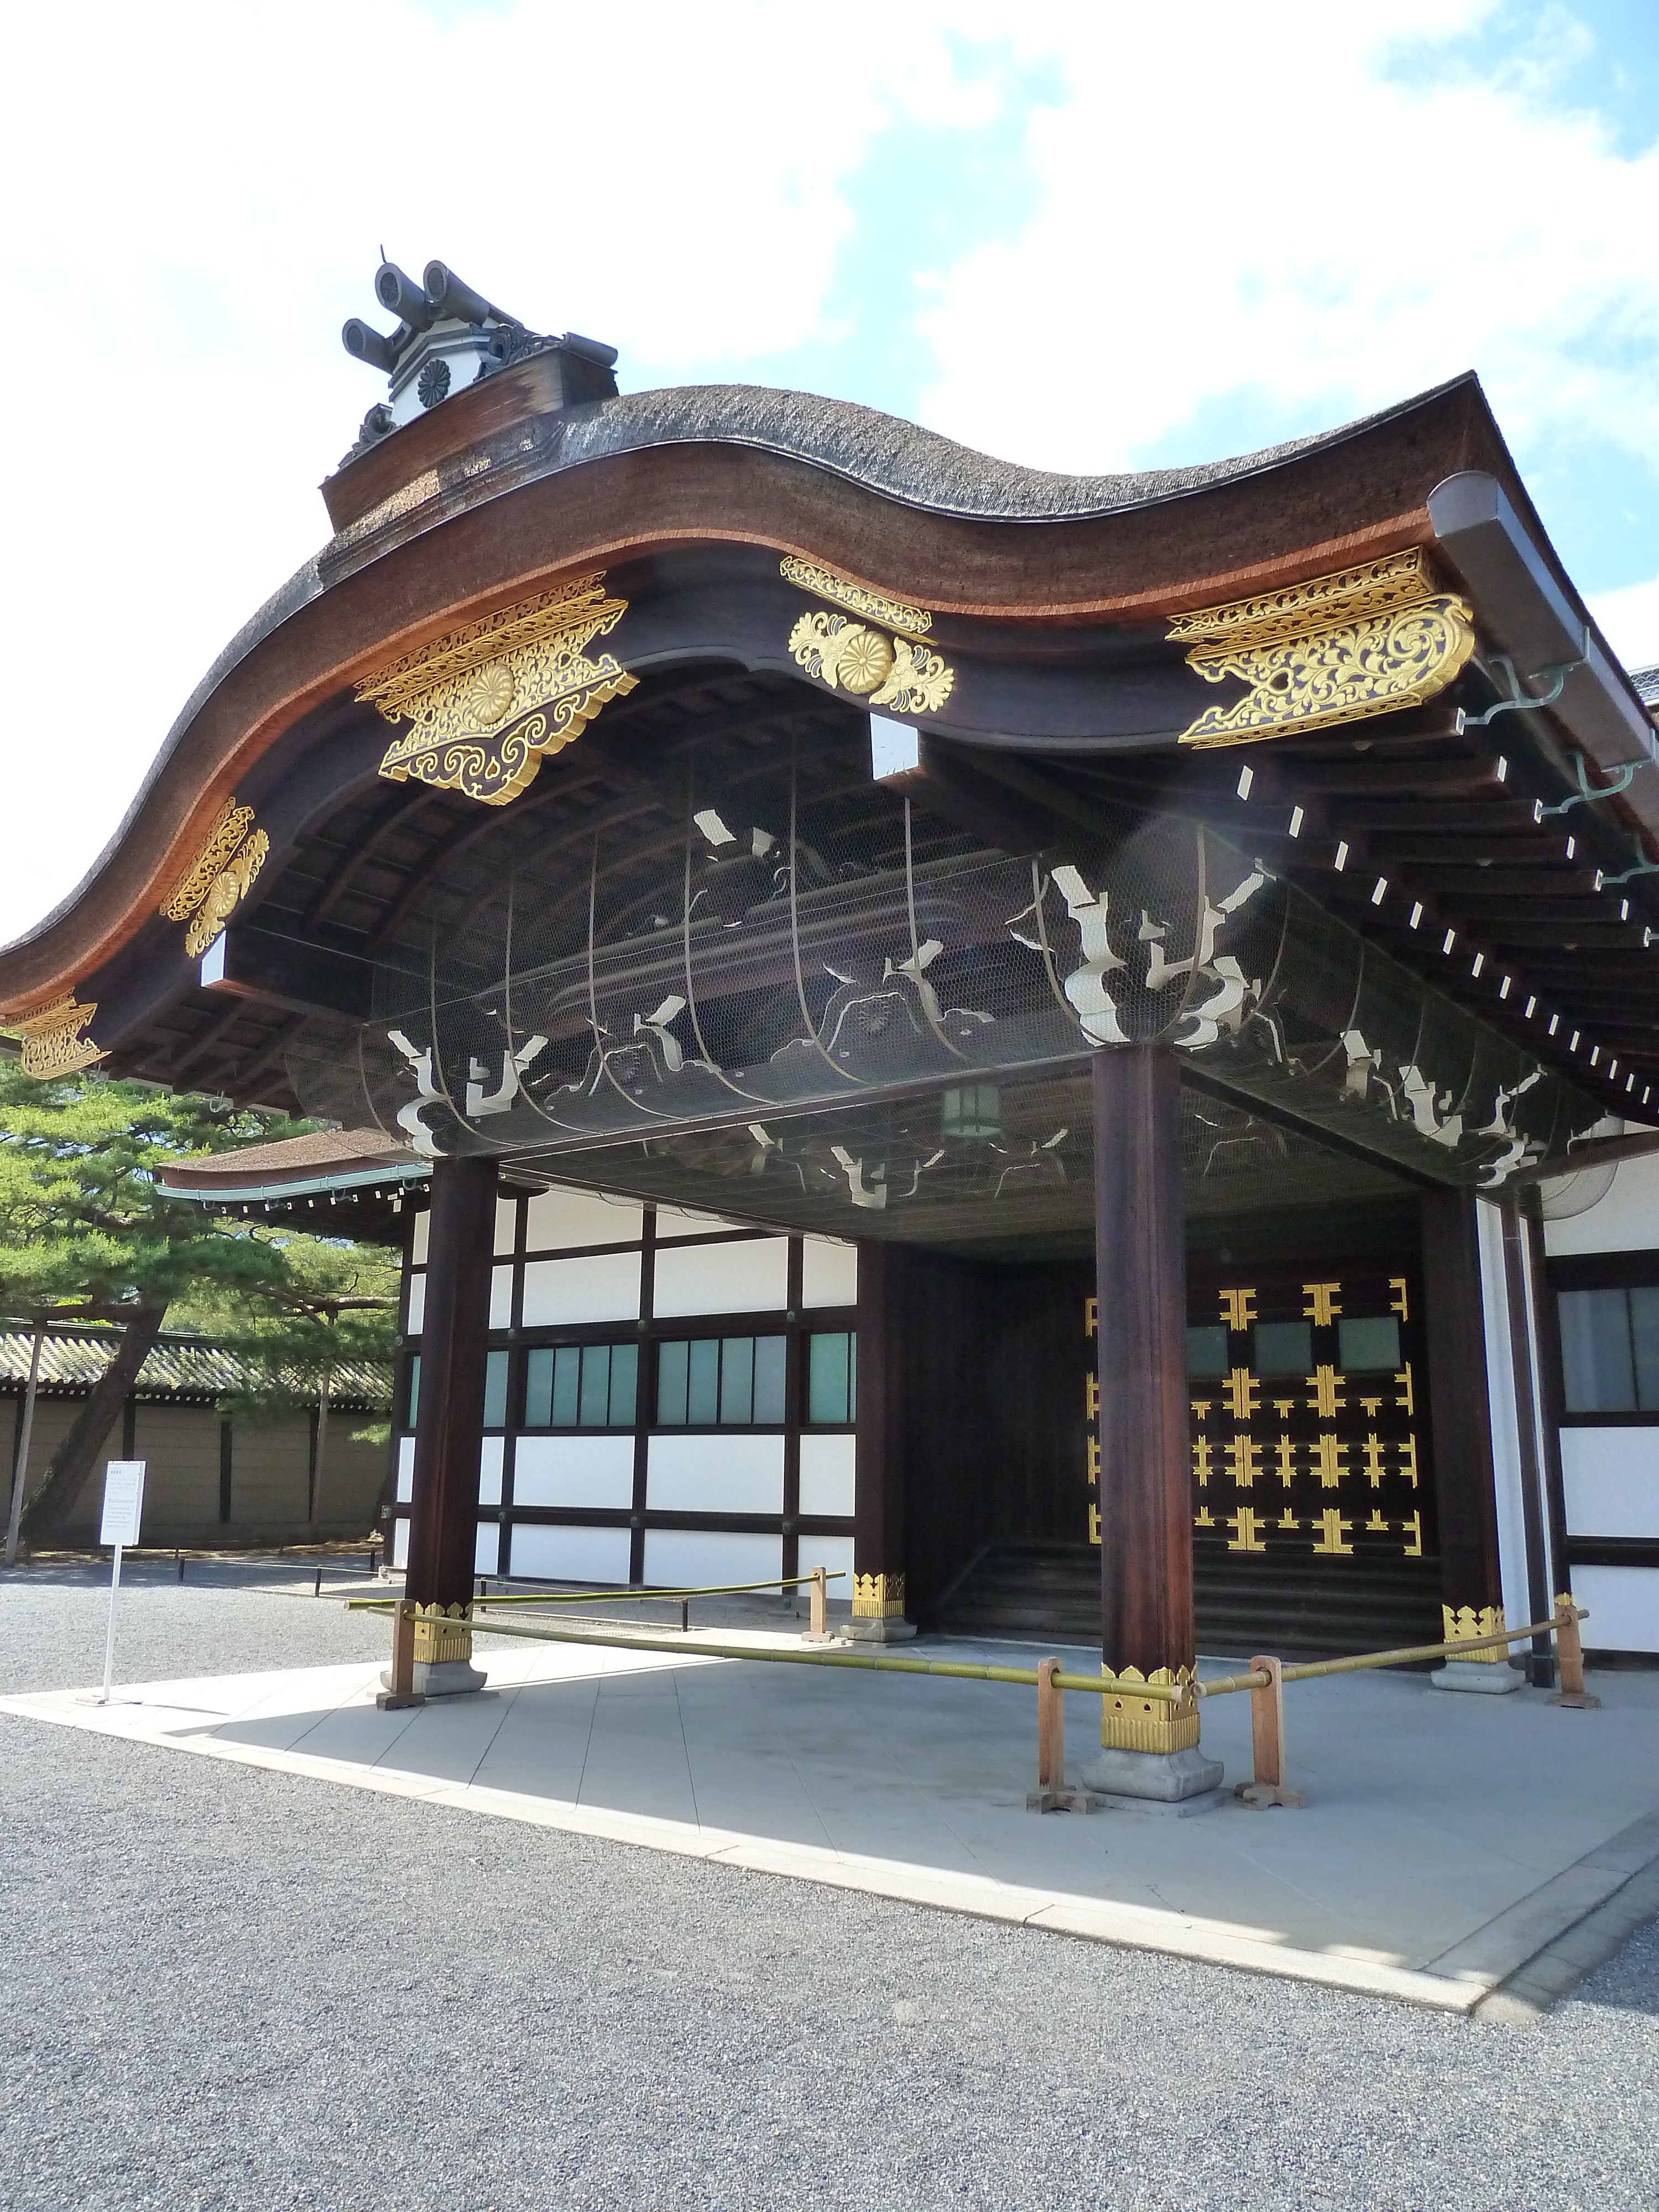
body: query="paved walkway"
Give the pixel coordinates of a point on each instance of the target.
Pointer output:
(1446, 1841)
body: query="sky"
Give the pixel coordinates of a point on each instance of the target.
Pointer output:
(1083, 234)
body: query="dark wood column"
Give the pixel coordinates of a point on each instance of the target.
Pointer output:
(1146, 1521)
(878, 1506)
(1460, 1412)
(449, 1417)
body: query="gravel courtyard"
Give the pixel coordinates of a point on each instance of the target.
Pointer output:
(228, 1987)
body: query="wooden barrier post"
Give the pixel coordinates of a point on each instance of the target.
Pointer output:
(1051, 1793)
(1570, 1659)
(1268, 1741)
(818, 1623)
(401, 1692)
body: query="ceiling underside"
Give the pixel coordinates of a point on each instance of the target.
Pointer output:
(419, 889)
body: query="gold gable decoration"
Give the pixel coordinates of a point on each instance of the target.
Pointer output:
(1337, 648)
(219, 878)
(896, 672)
(489, 702)
(53, 1039)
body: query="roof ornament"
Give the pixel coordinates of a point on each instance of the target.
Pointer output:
(1518, 702)
(448, 338)
(1336, 649)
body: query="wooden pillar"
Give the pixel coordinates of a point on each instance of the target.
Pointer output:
(1460, 1420)
(1146, 1529)
(449, 1419)
(886, 1309)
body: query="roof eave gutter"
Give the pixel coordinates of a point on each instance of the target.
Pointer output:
(265, 1194)
(1524, 609)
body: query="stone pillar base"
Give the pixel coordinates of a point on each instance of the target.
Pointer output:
(442, 1678)
(1183, 1779)
(893, 1629)
(1480, 1676)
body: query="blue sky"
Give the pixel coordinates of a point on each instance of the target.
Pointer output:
(1083, 236)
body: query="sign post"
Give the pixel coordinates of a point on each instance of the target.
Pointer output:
(124, 1507)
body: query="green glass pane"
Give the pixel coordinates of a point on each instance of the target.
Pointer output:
(703, 1383)
(1207, 1351)
(828, 1379)
(496, 1391)
(1645, 1337)
(414, 1387)
(567, 1369)
(538, 1387)
(671, 1368)
(1282, 1347)
(737, 1382)
(595, 1412)
(1596, 1363)
(1369, 1345)
(624, 1385)
(769, 1362)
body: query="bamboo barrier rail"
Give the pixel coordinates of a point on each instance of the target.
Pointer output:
(1265, 1679)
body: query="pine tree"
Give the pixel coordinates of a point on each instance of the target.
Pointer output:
(88, 1234)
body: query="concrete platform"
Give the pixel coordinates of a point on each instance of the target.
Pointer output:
(1447, 1843)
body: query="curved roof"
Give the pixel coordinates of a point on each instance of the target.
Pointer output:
(517, 492)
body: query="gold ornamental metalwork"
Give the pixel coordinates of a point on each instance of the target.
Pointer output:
(219, 878)
(896, 672)
(53, 1041)
(1131, 1724)
(490, 702)
(1468, 1621)
(878, 1597)
(442, 1632)
(826, 584)
(230, 825)
(1338, 648)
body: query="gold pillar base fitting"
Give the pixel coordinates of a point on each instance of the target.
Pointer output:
(1131, 1723)
(1466, 1620)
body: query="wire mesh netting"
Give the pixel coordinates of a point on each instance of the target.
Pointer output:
(779, 937)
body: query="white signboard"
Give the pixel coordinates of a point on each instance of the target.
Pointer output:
(124, 1501)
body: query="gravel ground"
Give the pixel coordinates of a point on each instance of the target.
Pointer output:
(223, 1987)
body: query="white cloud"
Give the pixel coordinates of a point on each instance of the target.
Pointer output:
(205, 186)
(199, 189)
(1242, 199)
(1630, 623)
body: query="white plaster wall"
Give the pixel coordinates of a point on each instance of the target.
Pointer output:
(1623, 1603)
(506, 1223)
(1610, 1478)
(575, 1471)
(1625, 1220)
(422, 1230)
(734, 1474)
(560, 1220)
(405, 1469)
(491, 1454)
(606, 1287)
(487, 1550)
(569, 1555)
(750, 1277)
(827, 1465)
(828, 1272)
(500, 1297)
(674, 1222)
(694, 1558)
(416, 1303)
